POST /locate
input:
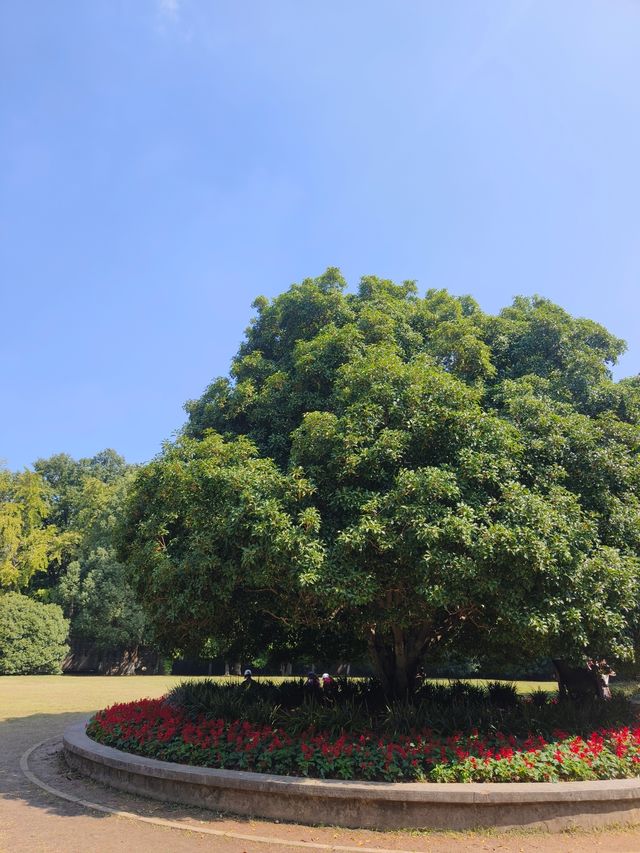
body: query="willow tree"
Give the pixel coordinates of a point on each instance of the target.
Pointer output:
(408, 472)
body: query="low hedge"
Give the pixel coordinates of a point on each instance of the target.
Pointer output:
(157, 729)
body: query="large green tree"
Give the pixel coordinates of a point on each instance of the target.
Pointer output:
(406, 472)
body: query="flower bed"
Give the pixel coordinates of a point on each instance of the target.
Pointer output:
(153, 728)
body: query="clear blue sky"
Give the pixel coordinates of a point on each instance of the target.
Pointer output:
(165, 161)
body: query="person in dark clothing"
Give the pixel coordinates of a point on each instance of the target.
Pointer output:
(312, 683)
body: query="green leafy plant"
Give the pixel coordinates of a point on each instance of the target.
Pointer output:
(362, 706)
(32, 636)
(502, 695)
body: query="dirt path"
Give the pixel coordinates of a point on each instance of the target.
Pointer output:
(33, 820)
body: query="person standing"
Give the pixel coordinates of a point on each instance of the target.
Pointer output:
(605, 672)
(312, 684)
(328, 686)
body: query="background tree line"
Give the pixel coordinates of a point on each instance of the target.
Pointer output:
(59, 573)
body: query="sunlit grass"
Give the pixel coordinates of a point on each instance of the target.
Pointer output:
(22, 696)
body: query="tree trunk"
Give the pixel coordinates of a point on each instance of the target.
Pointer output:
(395, 658)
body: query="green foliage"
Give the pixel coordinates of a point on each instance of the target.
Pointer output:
(502, 695)
(358, 707)
(66, 478)
(97, 596)
(539, 698)
(215, 573)
(27, 544)
(32, 636)
(416, 474)
(85, 498)
(209, 698)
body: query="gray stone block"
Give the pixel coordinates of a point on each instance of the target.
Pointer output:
(370, 805)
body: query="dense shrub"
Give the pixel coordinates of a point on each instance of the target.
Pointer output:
(160, 730)
(32, 636)
(359, 706)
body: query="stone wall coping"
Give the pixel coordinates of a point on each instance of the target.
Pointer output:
(77, 742)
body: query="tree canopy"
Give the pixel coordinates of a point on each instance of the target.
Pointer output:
(92, 585)
(56, 544)
(27, 544)
(402, 471)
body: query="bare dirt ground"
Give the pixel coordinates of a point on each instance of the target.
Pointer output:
(33, 709)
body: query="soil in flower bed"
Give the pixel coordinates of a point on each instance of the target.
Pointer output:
(294, 741)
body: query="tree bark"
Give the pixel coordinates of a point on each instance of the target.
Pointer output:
(395, 658)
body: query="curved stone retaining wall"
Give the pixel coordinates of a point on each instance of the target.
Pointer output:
(372, 805)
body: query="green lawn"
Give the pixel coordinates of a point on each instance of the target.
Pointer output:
(522, 686)
(21, 696)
